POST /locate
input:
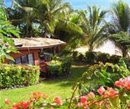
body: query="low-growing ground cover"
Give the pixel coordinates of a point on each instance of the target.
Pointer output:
(53, 87)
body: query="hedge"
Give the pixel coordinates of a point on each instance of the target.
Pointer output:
(18, 75)
(95, 57)
(59, 66)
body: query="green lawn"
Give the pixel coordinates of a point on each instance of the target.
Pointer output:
(53, 87)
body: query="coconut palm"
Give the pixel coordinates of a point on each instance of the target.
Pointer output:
(122, 41)
(121, 16)
(21, 14)
(69, 29)
(94, 26)
(49, 14)
(121, 21)
(46, 13)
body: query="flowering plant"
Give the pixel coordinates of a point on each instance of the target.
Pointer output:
(104, 98)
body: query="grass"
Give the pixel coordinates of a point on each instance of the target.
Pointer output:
(53, 87)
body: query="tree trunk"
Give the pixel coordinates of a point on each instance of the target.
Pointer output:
(124, 53)
(90, 49)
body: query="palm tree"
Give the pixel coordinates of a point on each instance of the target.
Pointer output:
(94, 26)
(121, 21)
(45, 13)
(49, 14)
(121, 16)
(122, 41)
(69, 29)
(21, 14)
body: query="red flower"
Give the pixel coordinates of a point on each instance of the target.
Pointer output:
(119, 83)
(58, 100)
(110, 92)
(21, 105)
(7, 101)
(25, 105)
(127, 83)
(16, 106)
(124, 83)
(101, 90)
(83, 99)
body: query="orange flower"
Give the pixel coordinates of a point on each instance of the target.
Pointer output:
(90, 95)
(58, 100)
(110, 92)
(79, 105)
(101, 90)
(45, 96)
(7, 101)
(32, 99)
(82, 105)
(37, 95)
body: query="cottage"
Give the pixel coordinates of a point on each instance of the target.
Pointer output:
(31, 48)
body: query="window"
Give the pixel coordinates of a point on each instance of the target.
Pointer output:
(26, 59)
(47, 56)
(30, 59)
(18, 60)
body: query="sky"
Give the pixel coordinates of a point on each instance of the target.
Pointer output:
(82, 4)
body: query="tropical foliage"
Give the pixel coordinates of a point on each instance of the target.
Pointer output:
(104, 85)
(95, 27)
(6, 31)
(121, 22)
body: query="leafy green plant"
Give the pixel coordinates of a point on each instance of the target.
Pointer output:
(90, 57)
(17, 76)
(114, 59)
(6, 31)
(102, 74)
(103, 98)
(54, 67)
(103, 57)
(59, 65)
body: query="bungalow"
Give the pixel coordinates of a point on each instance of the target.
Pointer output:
(35, 51)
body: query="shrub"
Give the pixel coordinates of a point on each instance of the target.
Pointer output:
(114, 59)
(95, 57)
(18, 75)
(103, 74)
(66, 64)
(54, 67)
(59, 66)
(90, 57)
(103, 57)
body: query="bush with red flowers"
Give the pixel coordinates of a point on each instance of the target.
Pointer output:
(104, 98)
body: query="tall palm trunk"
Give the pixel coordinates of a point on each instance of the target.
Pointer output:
(90, 49)
(124, 52)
